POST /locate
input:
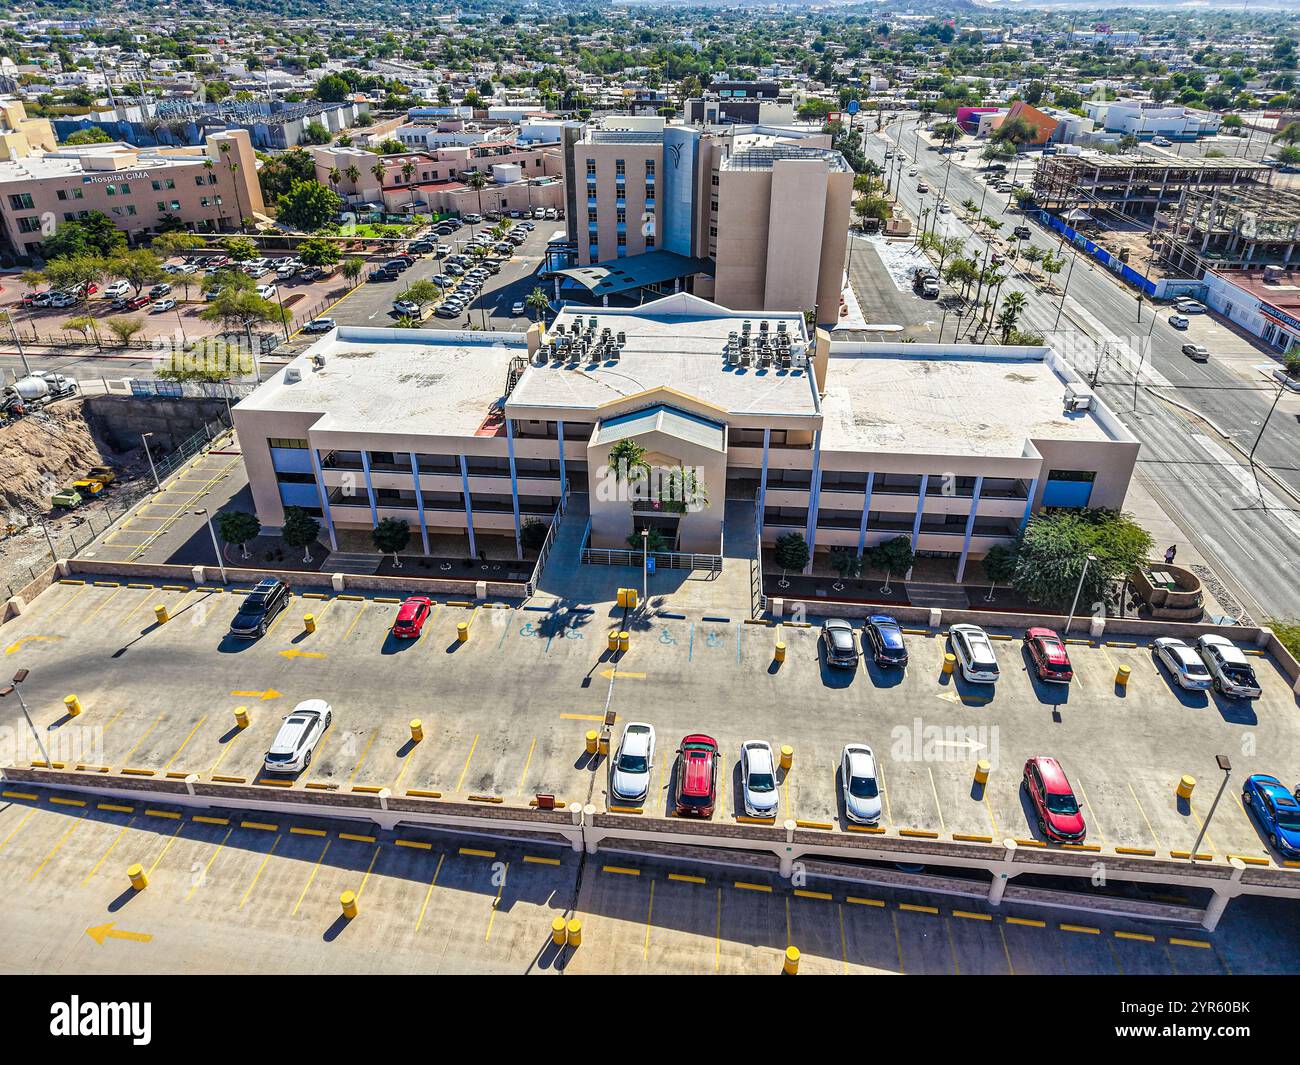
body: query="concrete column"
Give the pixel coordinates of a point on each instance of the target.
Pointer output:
(866, 509)
(589, 812)
(514, 483)
(1219, 900)
(469, 509)
(970, 527)
(762, 482)
(419, 501)
(814, 491)
(1029, 503)
(323, 492)
(916, 522)
(370, 488)
(1002, 873)
(564, 477)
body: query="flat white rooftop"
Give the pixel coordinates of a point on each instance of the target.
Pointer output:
(955, 403)
(430, 382)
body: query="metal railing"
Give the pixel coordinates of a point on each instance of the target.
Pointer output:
(607, 556)
(758, 601)
(531, 587)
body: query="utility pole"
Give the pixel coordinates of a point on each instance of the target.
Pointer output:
(1250, 458)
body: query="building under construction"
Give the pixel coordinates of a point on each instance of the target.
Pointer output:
(1228, 228)
(1135, 187)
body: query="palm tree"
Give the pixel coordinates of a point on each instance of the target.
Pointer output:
(209, 165)
(379, 170)
(353, 174)
(1012, 307)
(408, 169)
(536, 301)
(336, 175)
(476, 181)
(233, 168)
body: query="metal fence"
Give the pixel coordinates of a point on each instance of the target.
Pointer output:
(758, 601)
(545, 552)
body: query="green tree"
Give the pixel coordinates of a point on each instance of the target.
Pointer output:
(894, 556)
(93, 235)
(176, 242)
(627, 461)
(243, 308)
(353, 269)
(137, 268)
(300, 530)
(999, 567)
(1054, 546)
(653, 541)
(532, 534)
(537, 301)
(308, 206)
(332, 89)
(239, 249)
(124, 329)
(791, 551)
(845, 562)
(89, 135)
(316, 251)
(76, 272)
(83, 324)
(390, 536)
(238, 527)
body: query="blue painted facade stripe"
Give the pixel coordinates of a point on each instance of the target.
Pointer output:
(564, 477)
(1029, 503)
(324, 498)
(866, 508)
(469, 509)
(920, 510)
(970, 527)
(514, 483)
(419, 501)
(814, 492)
(370, 488)
(762, 482)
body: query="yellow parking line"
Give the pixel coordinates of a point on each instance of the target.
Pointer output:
(67, 603)
(256, 876)
(1143, 812)
(437, 869)
(202, 877)
(649, 922)
(465, 770)
(527, 762)
(357, 768)
(496, 902)
(314, 870)
(105, 855)
(126, 758)
(183, 745)
(108, 599)
(355, 620)
(163, 853)
(55, 850)
(1092, 814)
(18, 828)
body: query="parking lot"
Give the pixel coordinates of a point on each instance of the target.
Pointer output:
(505, 714)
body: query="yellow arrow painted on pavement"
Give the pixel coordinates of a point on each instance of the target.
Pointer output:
(270, 693)
(293, 652)
(17, 644)
(610, 674)
(101, 932)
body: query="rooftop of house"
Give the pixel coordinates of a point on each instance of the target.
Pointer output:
(959, 400)
(103, 160)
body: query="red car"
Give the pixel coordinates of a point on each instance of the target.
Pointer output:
(1050, 657)
(695, 786)
(1059, 816)
(137, 302)
(411, 616)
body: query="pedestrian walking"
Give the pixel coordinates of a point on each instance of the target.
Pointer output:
(1169, 555)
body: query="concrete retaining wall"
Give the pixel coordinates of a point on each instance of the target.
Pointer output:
(121, 419)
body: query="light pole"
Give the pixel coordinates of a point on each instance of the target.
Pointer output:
(1077, 591)
(1250, 458)
(1074, 257)
(54, 555)
(221, 562)
(1226, 766)
(13, 689)
(149, 455)
(13, 328)
(645, 564)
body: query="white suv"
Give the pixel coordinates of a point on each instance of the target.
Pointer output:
(974, 651)
(302, 730)
(633, 761)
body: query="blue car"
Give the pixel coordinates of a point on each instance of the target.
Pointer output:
(882, 634)
(1277, 811)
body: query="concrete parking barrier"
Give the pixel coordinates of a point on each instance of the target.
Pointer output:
(241, 717)
(949, 662)
(136, 875)
(160, 612)
(72, 705)
(573, 933)
(559, 931)
(982, 769)
(787, 756)
(462, 631)
(417, 730)
(1121, 676)
(348, 902)
(309, 622)
(778, 654)
(1186, 785)
(624, 640)
(791, 964)
(593, 739)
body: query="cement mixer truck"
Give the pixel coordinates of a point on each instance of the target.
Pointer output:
(43, 385)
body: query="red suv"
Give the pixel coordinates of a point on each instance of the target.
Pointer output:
(1050, 658)
(1059, 816)
(695, 787)
(137, 302)
(411, 616)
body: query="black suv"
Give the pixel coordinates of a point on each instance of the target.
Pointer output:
(259, 609)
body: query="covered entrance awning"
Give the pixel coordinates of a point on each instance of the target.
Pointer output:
(636, 271)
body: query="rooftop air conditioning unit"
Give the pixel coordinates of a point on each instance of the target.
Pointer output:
(746, 326)
(622, 338)
(764, 325)
(318, 361)
(780, 327)
(292, 375)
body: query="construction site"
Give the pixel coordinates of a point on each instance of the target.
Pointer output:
(1228, 228)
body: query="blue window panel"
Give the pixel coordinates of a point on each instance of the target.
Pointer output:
(1067, 493)
(299, 495)
(291, 460)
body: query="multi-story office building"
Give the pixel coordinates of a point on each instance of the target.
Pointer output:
(753, 217)
(473, 434)
(208, 189)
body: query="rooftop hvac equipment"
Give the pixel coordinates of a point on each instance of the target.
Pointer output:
(318, 361)
(591, 323)
(763, 325)
(780, 328)
(746, 326)
(622, 338)
(559, 328)
(292, 375)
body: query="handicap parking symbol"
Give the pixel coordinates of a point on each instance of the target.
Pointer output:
(666, 637)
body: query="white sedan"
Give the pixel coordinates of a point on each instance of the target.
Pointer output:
(859, 784)
(758, 778)
(633, 761)
(1184, 664)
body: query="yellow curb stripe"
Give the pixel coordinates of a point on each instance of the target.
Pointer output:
(912, 907)
(815, 824)
(1028, 922)
(416, 844)
(863, 902)
(1142, 851)
(294, 831)
(473, 852)
(210, 820)
(804, 893)
(356, 837)
(1141, 937)
(30, 796)
(1189, 943)
(1083, 928)
(972, 916)
(59, 801)
(686, 878)
(170, 814)
(918, 833)
(534, 859)
(624, 870)
(744, 885)
(261, 826)
(115, 808)
(963, 838)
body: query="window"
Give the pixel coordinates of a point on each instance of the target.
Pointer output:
(714, 206)
(70, 194)
(282, 441)
(620, 216)
(1087, 476)
(130, 210)
(21, 201)
(198, 180)
(591, 168)
(649, 168)
(111, 190)
(176, 205)
(715, 180)
(162, 207)
(29, 225)
(620, 168)
(591, 216)
(713, 231)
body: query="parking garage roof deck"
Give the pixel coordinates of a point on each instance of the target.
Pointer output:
(375, 380)
(957, 403)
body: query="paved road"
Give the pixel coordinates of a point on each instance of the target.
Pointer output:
(1199, 477)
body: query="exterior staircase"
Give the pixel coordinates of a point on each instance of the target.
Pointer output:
(944, 596)
(352, 562)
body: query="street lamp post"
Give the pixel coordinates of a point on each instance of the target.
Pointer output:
(1077, 592)
(1074, 257)
(221, 562)
(13, 328)
(645, 564)
(1226, 766)
(14, 689)
(149, 455)
(1250, 458)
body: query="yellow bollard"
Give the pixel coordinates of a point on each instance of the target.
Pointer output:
(1122, 675)
(949, 662)
(160, 612)
(417, 730)
(602, 745)
(982, 768)
(1186, 786)
(575, 933)
(613, 639)
(462, 631)
(558, 931)
(136, 875)
(72, 704)
(787, 756)
(780, 651)
(631, 598)
(309, 622)
(624, 640)
(791, 965)
(622, 598)
(241, 717)
(592, 739)
(348, 900)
